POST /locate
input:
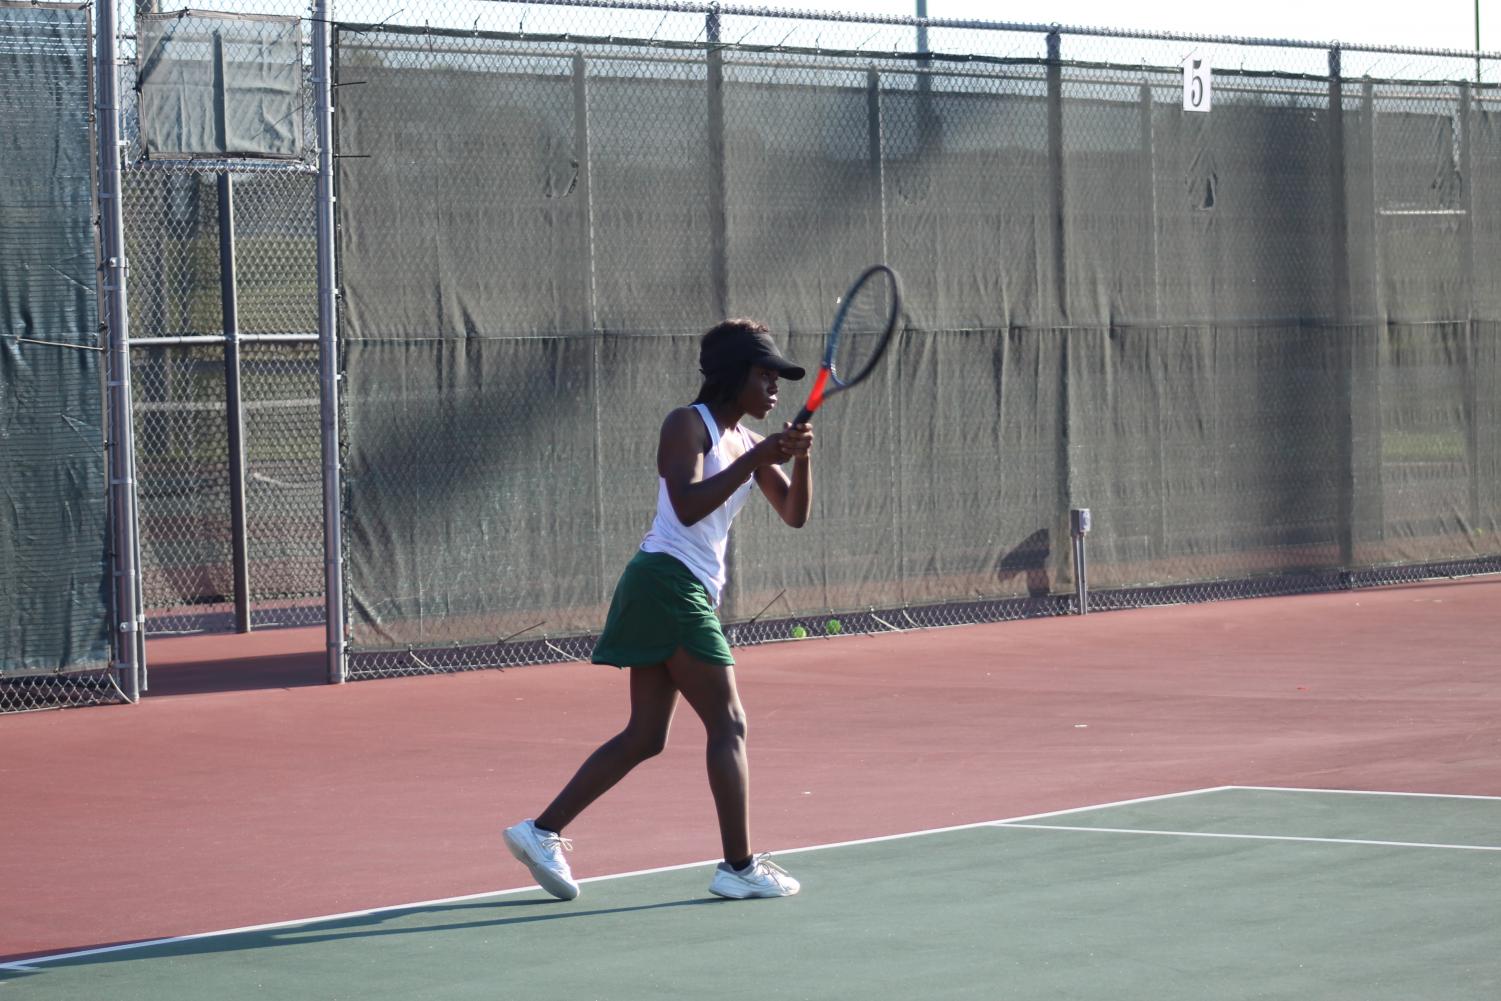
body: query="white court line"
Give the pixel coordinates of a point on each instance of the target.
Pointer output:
(998, 823)
(25, 965)
(1257, 837)
(1366, 792)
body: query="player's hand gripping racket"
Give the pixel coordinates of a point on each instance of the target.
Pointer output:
(862, 331)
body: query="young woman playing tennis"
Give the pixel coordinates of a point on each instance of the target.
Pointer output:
(661, 623)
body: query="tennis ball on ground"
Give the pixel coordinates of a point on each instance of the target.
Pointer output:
(833, 626)
(798, 632)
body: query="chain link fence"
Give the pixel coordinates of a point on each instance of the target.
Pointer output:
(181, 212)
(1262, 343)
(60, 690)
(183, 466)
(1253, 341)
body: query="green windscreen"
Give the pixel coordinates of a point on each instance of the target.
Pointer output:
(54, 567)
(1257, 343)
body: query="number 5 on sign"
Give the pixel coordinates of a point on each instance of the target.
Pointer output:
(1196, 83)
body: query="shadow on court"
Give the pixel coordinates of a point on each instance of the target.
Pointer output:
(485, 914)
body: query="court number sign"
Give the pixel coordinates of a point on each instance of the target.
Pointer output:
(1196, 83)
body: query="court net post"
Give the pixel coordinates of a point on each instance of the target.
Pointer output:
(1078, 527)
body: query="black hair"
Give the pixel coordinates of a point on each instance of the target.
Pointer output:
(724, 380)
(724, 385)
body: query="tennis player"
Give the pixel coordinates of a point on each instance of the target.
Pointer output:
(661, 623)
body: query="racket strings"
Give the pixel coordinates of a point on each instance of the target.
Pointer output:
(866, 321)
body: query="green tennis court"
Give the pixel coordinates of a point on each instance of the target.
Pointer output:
(1223, 893)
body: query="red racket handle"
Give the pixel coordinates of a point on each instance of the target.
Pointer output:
(815, 397)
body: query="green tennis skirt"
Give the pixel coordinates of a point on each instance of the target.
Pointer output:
(658, 607)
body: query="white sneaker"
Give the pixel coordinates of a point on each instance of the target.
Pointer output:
(762, 878)
(542, 853)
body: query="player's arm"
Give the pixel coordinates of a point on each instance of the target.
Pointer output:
(680, 462)
(791, 496)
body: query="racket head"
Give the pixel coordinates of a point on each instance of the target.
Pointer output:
(863, 327)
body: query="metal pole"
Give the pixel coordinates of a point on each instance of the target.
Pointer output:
(719, 235)
(1055, 170)
(585, 180)
(1337, 180)
(234, 408)
(925, 123)
(874, 149)
(1477, 42)
(1346, 490)
(1078, 526)
(158, 342)
(596, 335)
(129, 651)
(328, 354)
(719, 251)
(1472, 379)
(1058, 258)
(1149, 195)
(1373, 292)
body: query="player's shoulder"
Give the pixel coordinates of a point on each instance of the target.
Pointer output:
(681, 415)
(684, 422)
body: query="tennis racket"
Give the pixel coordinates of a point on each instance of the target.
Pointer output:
(862, 331)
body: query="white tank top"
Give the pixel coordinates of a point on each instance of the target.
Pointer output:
(701, 546)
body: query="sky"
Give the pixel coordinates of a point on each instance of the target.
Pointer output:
(1441, 24)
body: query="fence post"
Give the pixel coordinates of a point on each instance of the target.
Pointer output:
(1340, 248)
(718, 236)
(585, 179)
(234, 408)
(1149, 195)
(874, 151)
(130, 661)
(1339, 252)
(328, 349)
(1354, 249)
(1056, 189)
(719, 241)
(924, 82)
(581, 153)
(1372, 299)
(1055, 169)
(1467, 262)
(1152, 279)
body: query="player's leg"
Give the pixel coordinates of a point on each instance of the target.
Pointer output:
(710, 690)
(539, 844)
(653, 700)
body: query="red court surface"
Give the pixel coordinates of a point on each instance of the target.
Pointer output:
(242, 790)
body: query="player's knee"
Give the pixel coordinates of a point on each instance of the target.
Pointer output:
(733, 728)
(642, 746)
